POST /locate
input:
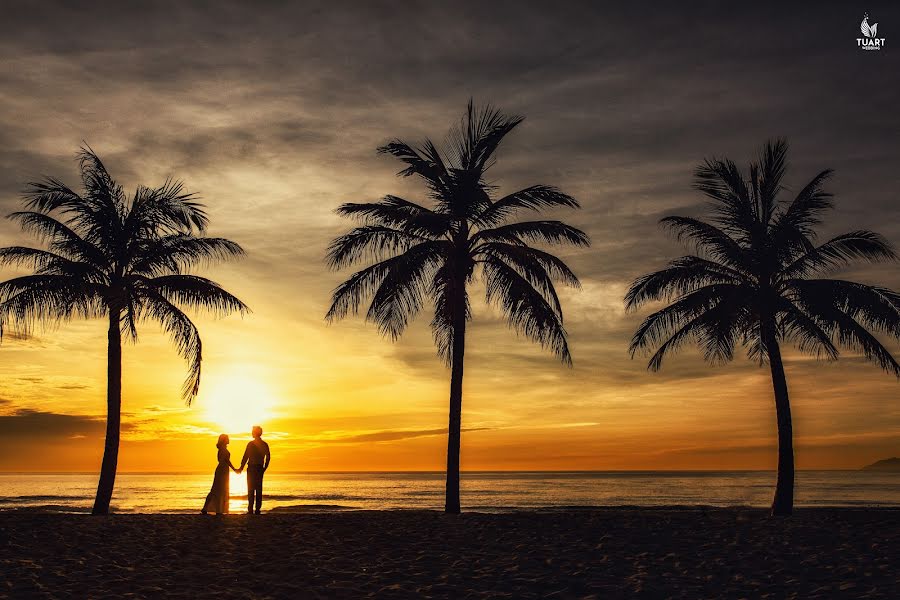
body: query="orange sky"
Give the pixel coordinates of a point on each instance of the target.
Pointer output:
(273, 131)
(340, 398)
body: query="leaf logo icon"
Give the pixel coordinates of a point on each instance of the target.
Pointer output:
(870, 31)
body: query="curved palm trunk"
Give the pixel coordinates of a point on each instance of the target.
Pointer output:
(783, 503)
(113, 416)
(451, 502)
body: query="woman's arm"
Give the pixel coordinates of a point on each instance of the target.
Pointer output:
(225, 459)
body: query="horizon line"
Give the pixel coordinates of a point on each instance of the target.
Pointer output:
(441, 472)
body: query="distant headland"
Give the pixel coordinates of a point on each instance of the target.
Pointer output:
(887, 464)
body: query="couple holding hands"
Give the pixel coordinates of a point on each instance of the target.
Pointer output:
(256, 457)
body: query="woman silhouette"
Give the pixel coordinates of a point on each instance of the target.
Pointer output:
(217, 499)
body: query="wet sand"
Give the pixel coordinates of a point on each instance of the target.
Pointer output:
(603, 553)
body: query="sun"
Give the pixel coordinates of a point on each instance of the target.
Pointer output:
(234, 404)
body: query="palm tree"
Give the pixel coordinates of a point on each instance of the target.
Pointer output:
(124, 260)
(432, 254)
(757, 279)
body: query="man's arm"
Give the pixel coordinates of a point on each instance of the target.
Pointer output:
(268, 458)
(246, 458)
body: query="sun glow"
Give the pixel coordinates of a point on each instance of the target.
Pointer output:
(235, 404)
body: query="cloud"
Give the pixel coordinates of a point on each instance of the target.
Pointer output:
(391, 435)
(273, 117)
(27, 423)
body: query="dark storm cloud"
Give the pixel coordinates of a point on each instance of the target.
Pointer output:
(26, 423)
(620, 103)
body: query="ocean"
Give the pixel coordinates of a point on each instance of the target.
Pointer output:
(481, 491)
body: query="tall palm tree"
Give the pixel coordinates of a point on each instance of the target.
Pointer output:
(123, 259)
(432, 254)
(758, 279)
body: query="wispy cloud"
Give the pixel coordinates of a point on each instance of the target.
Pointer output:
(384, 436)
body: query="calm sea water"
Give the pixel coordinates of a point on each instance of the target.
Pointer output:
(492, 491)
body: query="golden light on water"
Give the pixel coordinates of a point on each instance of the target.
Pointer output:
(237, 502)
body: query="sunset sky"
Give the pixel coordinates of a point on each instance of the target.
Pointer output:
(272, 115)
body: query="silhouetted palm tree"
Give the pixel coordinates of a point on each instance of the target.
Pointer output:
(431, 254)
(757, 282)
(125, 260)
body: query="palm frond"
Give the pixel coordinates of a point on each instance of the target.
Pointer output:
(374, 242)
(663, 323)
(550, 232)
(44, 262)
(131, 313)
(809, 336)
(854, 336)
(840, 251)
(60, 237)
(845, 309)
(175, 253)
(47, 300)
(348, 296)
(555, 268)
(721, 181)
(682, 276)
(426, 162)
(532, 271)
(397, 213)
(404, 288)
(50, 194)
(716, 330)
(711, 240)
(184, 336)
(168, 208)
(195, 292)
(534, 198)
(804, 213)
(98, 184)
(449, 297)
(877, 308)
(475, 139)
(526, 309)
(772, 165)
(104, 204)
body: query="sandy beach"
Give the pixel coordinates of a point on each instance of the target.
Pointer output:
(602, 553)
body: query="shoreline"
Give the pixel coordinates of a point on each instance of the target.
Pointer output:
(483, 510)
(599, 553)
(442, 473)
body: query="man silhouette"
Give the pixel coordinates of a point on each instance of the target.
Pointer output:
(258, 456)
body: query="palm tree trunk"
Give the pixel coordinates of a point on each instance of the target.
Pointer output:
(113, 416)
(451, 502)
(783, 503)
